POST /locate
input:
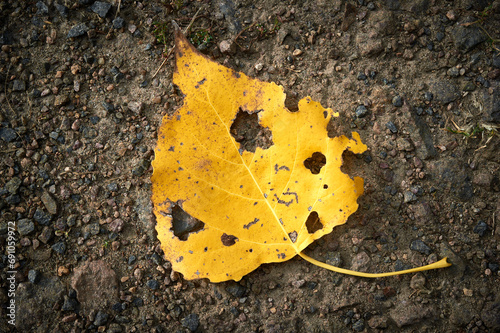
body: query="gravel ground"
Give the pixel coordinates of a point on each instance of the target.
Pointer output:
(80, 107)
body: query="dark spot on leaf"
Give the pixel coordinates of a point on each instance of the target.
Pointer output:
(325, 186)
(184, 224)
(293, 236)
(246, 226)
(315, 162)
(283, 167)
(246, 130)
(313, 223)
(228, 240)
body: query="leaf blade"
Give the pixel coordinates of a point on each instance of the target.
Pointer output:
(254, 205)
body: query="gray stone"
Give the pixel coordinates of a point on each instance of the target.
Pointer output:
(469, 86)
(46, 235)
(78, 30)
(392, 127)
(191, 322)
(481, 228)
(42, 217)
(42, 8)
(118, 23)
(61, 100)
(96, 285)
(459, 265)
(8, 134)
(18, 85)
(406, 313)
(93, 228)
(13, 199)
(153, 284)
(35, 303)
(420, 246)
(360, 262)
(49, 203)
(101, 8)
(444, 91)
(25, 227)
(116, 226)
(496, 60)
(461, 314)
(392, 4)
(141, 167)
(33, 276)
(490, 315)
(418, 7)
(226, 46)
(236, 289)
(59, 247)
(62, 9)
(100, 318)
(466, 38)
(108, 106)
(13, 185)
(361, 111)
(408, 196)
(491, 105)
(377, 322)
(334, 259)
(453, 72)
(417, 281)
(397, 101)
(113, 187)
(369, 46)
(70, 304)
(135, 106)
(358, 325)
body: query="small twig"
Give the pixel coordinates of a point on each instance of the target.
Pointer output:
(493, 40)
(172, 49)
(242, 31)
(116, 14)
(493, 228)
(5, 87)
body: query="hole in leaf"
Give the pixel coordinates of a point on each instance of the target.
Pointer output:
(291, 101)
(313, 223)
(350, 163)
(315, 162)
(246, 130)
(325, 186)
(184, 224)
(333, 128)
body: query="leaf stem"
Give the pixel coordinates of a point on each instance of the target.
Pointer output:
(440, 264)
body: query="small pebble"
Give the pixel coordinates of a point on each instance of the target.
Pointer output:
(397, 101)
(361, 111)
(34, 276)
(392, 127)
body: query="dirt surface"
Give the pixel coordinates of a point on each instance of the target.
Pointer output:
(80, 107)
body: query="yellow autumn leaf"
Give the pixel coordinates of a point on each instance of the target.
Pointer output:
(224, 207)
